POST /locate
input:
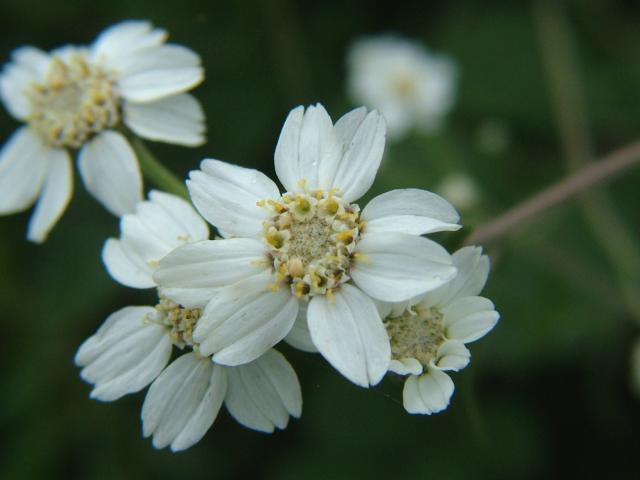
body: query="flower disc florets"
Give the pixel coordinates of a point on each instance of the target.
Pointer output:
(181, 320)
(76, 100)
(416, 333)
(311, 237)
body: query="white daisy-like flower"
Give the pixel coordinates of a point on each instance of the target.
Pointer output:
(76, 99)
(309, 254)
(411, 87)
(133, 346)
(428, 333)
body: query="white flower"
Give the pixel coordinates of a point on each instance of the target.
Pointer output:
(428, 333)
(460, 189)
(408, 85)
(310, 248)
(75, 99)
(133, 346)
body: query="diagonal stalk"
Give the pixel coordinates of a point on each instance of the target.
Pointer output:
(155, 171)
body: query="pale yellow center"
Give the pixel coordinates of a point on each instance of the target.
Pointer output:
(75, 101)
(417, 333)
(311, 237)
(182, 321)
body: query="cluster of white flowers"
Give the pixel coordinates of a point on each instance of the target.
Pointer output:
(81, 98)
(307, 265)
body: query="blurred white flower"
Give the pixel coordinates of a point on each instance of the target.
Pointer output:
(493, 136)
(133, 346)
(411, 87)
(76, 98)
(309, 254)
(428, 333)
(460, 189)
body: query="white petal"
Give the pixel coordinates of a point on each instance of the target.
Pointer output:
(429, 393)
(110, 171)
(28, 65)
(211, 263)
(159, 72)
(306, 142)
(411, 211)
(126, 267)
(345, 128)
(473, 270)
(177, 119)
(245, 320)
(286, 154)
(24, 162)
(183, 220)
(406, 366)
(262, 394)
(469, 318)
(125, 354)
(394, 267)
(189, 297)
(183, 402)
(452, 355)
(55, 196)
(350, 335)
(158, 226)
(226, 196)
(299, 336)
(357, 169)
(116, 45)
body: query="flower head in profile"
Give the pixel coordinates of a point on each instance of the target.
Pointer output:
(411, 87)
(309, 260)
(428, 333)
(77, 99)
(133, 346)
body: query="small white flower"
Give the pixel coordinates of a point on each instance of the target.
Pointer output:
(75, 99)
(310, 253)
(409, 86)
(428, 333)
(133, 346)
(460, 189)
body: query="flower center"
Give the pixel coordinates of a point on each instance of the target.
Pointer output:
(181, 320)
(417, 333)
(311, 237)
(404, 85)
(76, 100)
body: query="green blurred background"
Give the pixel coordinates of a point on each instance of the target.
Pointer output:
(547, 394)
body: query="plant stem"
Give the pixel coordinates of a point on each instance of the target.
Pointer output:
(160, 175)
(608, 167)
(609, 229)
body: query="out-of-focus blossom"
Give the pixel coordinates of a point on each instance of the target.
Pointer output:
(410, 86)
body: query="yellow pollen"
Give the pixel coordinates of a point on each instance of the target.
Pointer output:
(310, 242)
(76, 100)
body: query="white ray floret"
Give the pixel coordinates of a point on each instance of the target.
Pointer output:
(427, 334)
(77, 99)
(307, 264)
(411, 87)
(131, 350)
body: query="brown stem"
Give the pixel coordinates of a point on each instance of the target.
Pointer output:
(608, 167)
